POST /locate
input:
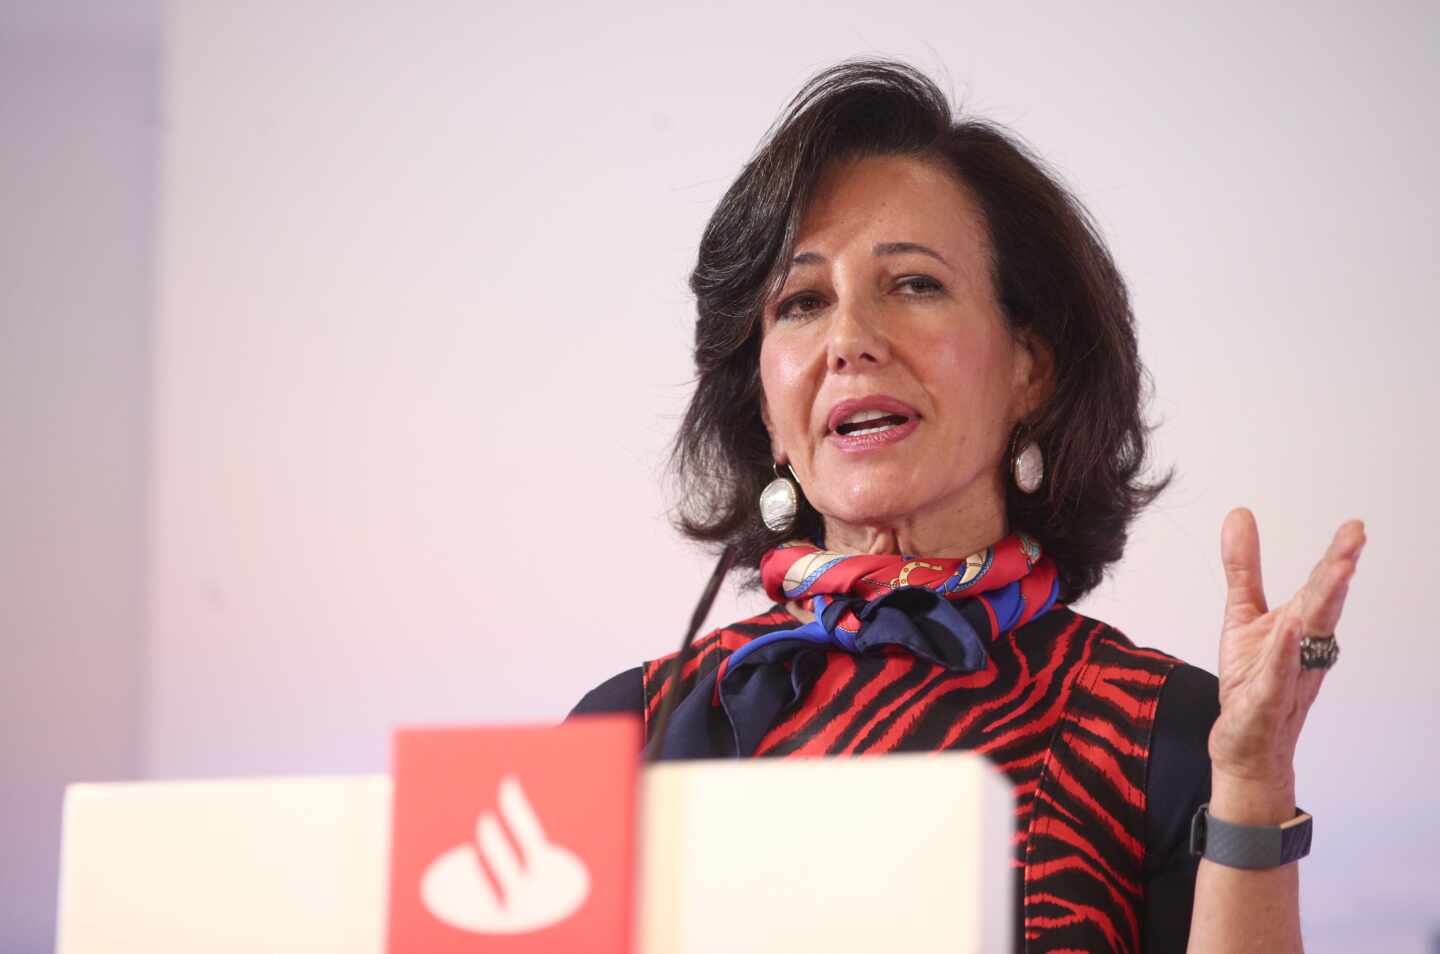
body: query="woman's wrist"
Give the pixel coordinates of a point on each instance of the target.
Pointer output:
(1247, 800)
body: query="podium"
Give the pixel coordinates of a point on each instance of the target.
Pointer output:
(886, 853)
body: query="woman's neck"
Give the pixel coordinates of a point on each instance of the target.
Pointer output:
(955, 538)
(953, 534)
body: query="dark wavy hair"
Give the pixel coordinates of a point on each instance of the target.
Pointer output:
(1052, 275)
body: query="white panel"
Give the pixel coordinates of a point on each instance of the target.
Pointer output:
(902, 853)
(854, 855)
(293, 865)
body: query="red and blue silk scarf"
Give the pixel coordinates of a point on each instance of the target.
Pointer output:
(942, 610)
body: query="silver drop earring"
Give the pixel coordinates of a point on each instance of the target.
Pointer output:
(1027, 464)
(780, 501)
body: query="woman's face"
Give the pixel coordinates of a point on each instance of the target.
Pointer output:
(891, 382)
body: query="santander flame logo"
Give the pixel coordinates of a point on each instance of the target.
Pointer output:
(517, 881)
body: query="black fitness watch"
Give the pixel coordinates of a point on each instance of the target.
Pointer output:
(1250, 846)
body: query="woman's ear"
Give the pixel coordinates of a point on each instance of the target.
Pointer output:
(770, 430)
(1034, 373)
(778, 456)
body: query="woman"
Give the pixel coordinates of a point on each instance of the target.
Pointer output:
(912, 339)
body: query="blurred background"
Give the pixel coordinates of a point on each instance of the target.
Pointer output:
(340, 347)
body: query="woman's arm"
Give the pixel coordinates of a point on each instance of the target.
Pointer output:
(1238, 909)
(1264, 697)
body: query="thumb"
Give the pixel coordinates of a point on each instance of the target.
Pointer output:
(1240, 555)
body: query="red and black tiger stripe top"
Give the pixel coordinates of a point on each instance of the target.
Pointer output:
(1105, 742)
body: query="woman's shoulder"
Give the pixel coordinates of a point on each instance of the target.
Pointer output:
(630, 690)
(1114, 646)
(624, 692)
(1180, 703)
(1186, 697)
(724, 640)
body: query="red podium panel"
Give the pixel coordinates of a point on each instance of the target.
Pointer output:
(514, 840)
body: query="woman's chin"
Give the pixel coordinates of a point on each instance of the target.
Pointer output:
(880, 514)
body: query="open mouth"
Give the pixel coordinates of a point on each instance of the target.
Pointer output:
(869, 422)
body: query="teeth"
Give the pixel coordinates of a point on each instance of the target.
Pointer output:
(859, 416)
(872, 430)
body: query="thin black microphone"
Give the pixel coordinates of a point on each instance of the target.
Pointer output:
(677, 662)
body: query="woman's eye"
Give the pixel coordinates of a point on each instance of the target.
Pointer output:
(921, 284)
(798, 306)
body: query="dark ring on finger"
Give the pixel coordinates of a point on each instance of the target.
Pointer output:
(1319, 652)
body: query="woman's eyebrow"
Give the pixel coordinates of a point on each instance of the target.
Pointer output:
(882, 248)
(897, 248)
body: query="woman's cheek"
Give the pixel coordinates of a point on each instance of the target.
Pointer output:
(784, 384)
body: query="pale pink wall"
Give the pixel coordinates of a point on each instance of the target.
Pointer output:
(424, 335)
(77, 144)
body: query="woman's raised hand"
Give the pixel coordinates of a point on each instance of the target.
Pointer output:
(1264, 692)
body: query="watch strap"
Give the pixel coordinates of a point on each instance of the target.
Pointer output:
(1250, 846)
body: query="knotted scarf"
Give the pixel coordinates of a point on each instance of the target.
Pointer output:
(941, 610)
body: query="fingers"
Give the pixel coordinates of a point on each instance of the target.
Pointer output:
(1240, 555)
(1320, 603)
(1288, 685)
(1348, 541)
(1282, 650)
(1323, 596)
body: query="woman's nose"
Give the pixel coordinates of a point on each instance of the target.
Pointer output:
(857, 338)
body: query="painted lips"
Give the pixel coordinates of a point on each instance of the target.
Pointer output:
(872, 422)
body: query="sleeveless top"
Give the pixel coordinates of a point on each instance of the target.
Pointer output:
(1065, 707)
